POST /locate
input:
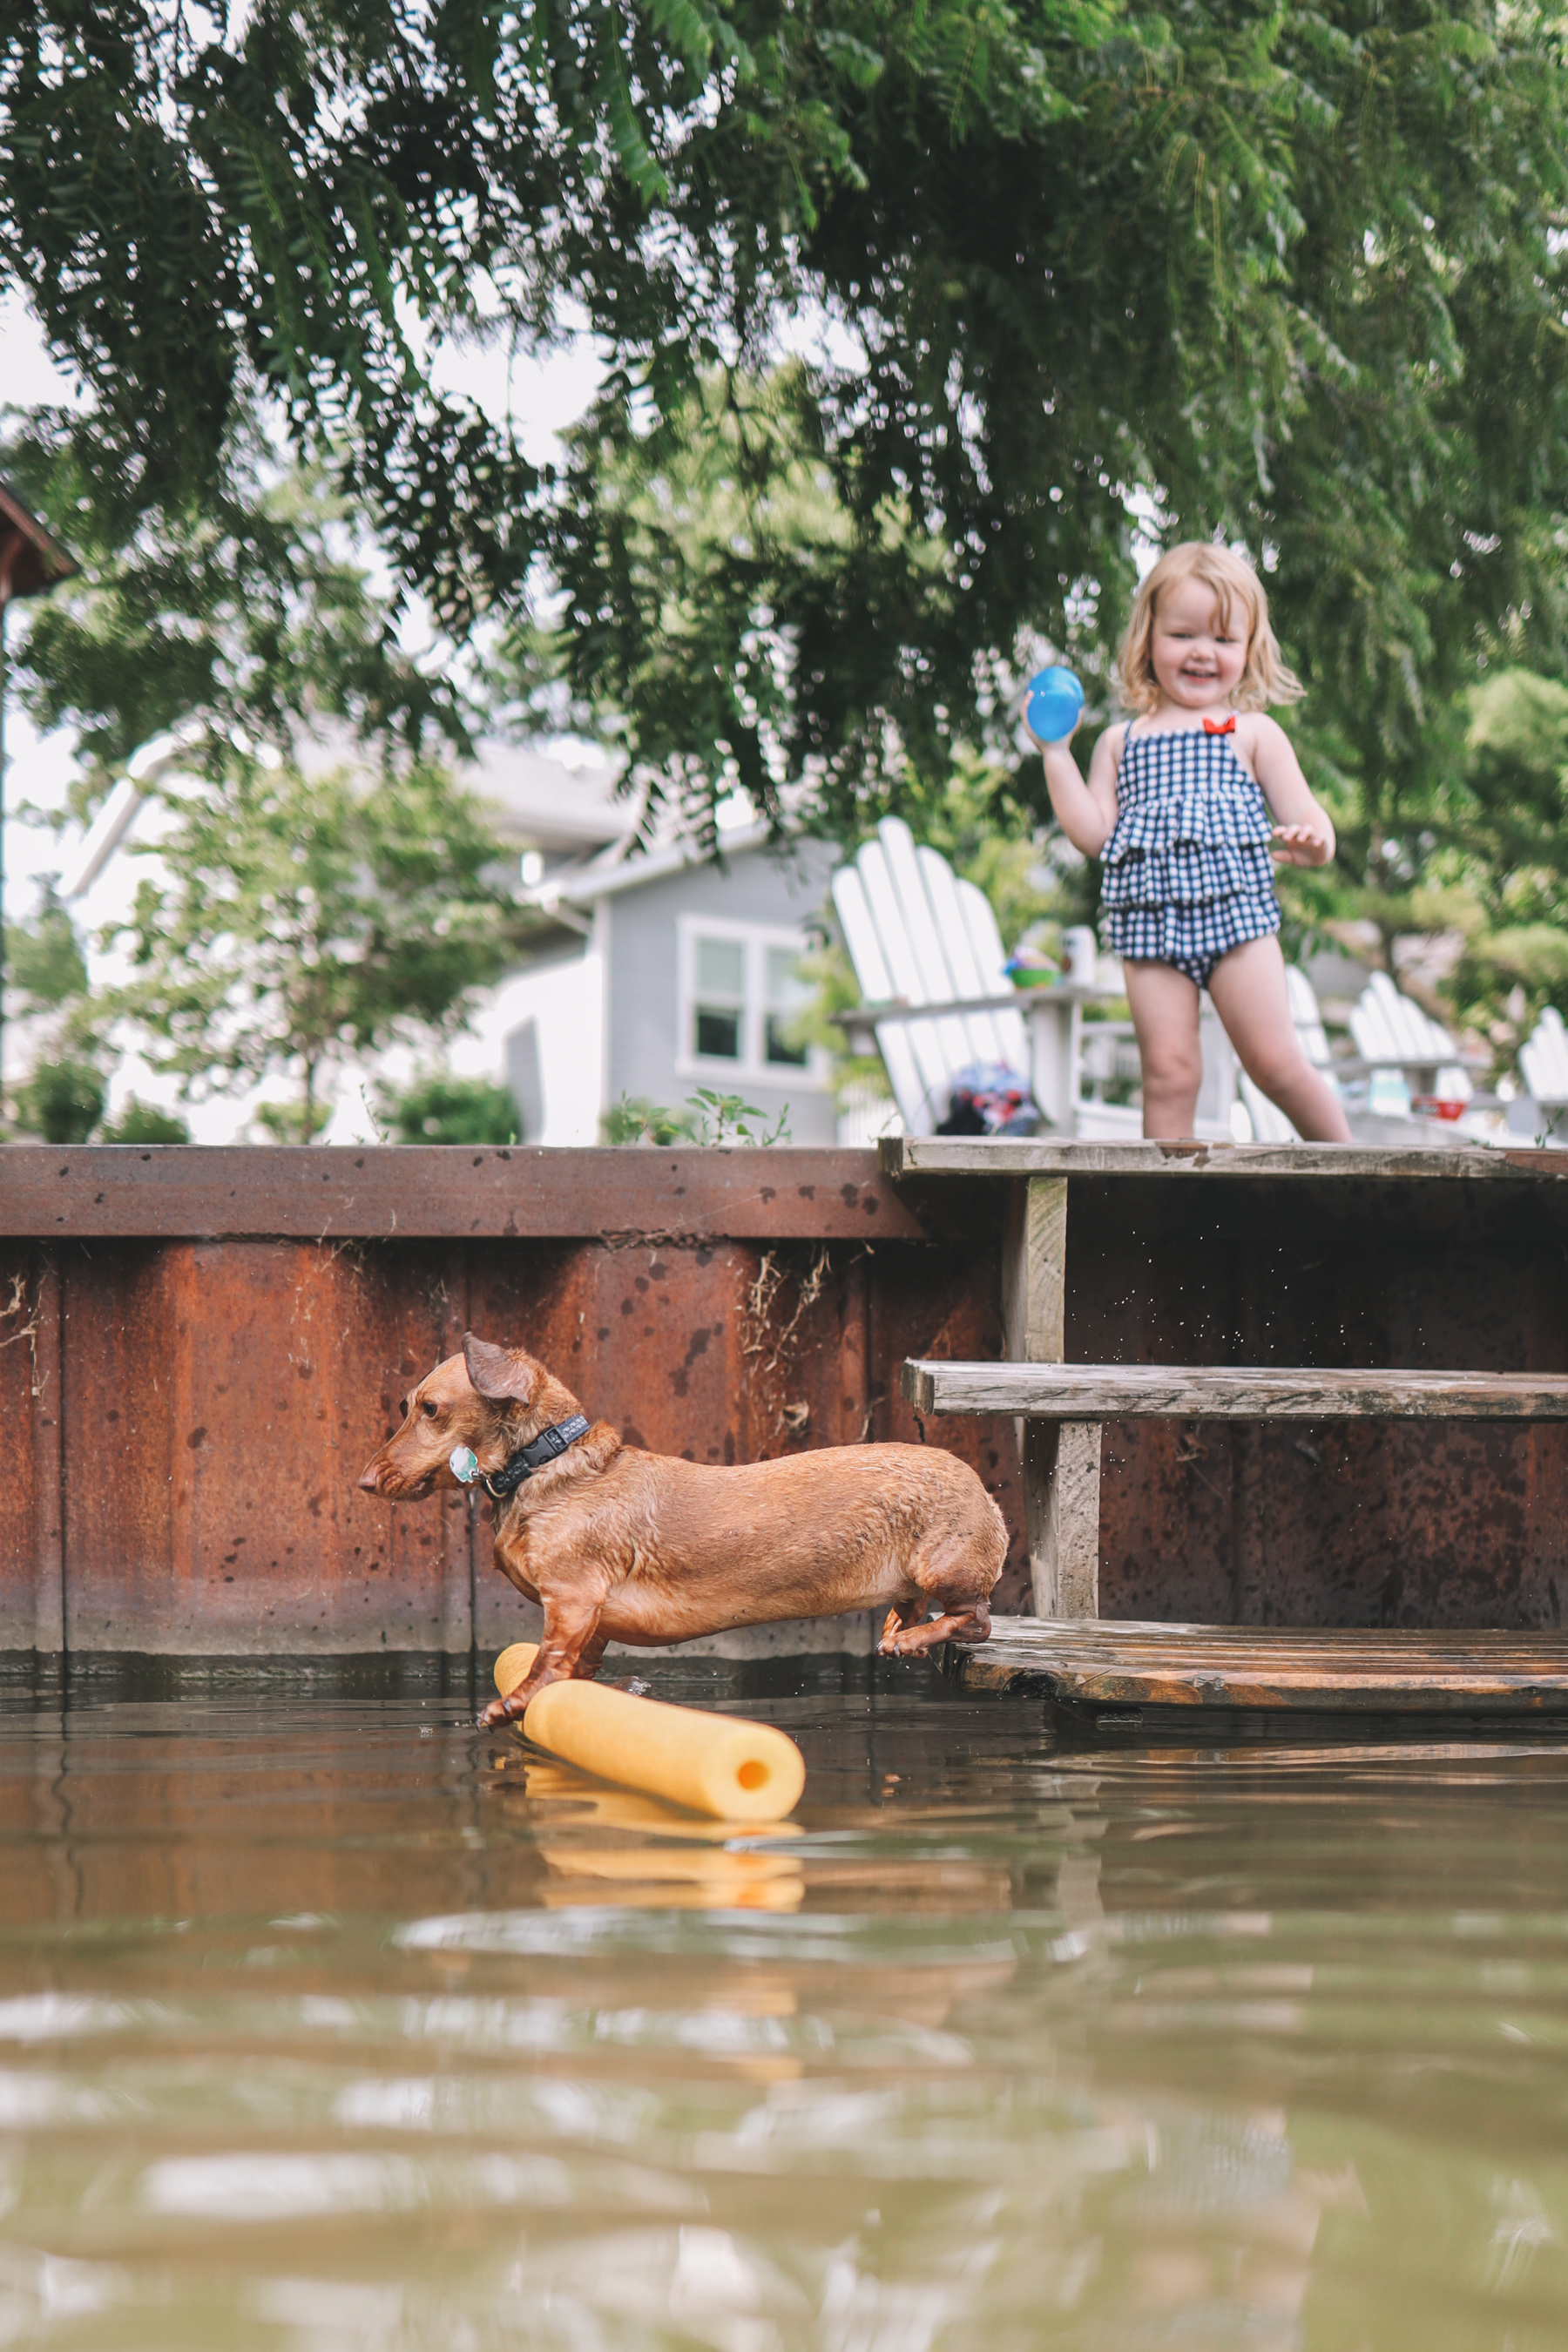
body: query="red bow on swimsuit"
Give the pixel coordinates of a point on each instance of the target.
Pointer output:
(1220, 726)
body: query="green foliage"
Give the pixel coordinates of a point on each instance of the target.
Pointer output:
(1501, 843)
(828, 973)
(247, 611)
(438, 1108)
(727, 1119)
(1291, 274)
(62, 1101)
(298, 1122)
(44, 964)
(46, 980)
(305, 921)
(1515, 811)
(636, 1119)
(1459, 884)
(140, 1122)
(707, 1118)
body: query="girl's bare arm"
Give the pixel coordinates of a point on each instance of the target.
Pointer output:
(1086, 812)
(1303, 830)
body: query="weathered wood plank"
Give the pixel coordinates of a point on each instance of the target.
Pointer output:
(1059, 1463)
(431, 1192)
(1198, 1392)
(944, 1155)
(1353, 1670)
(1034, 1270)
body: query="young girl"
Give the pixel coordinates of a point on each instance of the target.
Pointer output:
(1183, 803)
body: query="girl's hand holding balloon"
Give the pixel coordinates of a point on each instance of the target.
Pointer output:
(1053, 705)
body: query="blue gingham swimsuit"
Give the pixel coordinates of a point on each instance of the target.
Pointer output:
(1187, 870)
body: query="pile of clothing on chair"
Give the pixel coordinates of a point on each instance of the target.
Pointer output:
(988, 1098)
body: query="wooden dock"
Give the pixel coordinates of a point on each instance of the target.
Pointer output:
(1101, 1664)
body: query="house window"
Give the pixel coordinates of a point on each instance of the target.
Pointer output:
(740, 998)
(781, 1005)
(720, 1006)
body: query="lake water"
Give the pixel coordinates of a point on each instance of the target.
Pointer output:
(329, 2022)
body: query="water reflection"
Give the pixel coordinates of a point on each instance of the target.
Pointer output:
(617, 1847)
(327, 2022)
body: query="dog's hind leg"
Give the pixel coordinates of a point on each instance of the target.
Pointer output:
(968, 1622)
(570, 1650)
(955, 1573)
(901, 1615)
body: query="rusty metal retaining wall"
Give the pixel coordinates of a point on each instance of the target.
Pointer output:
(199, 1349)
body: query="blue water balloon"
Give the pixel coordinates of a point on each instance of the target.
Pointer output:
(1055, 703)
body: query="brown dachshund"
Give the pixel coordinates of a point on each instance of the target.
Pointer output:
(622, 1546)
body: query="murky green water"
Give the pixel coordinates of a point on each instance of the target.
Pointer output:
(327, 2022)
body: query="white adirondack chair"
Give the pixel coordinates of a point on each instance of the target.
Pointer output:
(1389, 1031)
(1543, 1059)
(918, 935)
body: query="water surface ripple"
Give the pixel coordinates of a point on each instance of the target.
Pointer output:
(329, 2022)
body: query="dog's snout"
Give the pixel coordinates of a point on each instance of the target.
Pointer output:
(368, 1479)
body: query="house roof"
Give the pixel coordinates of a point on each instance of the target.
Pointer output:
(30, 560)
(624, 869)
(557, 805)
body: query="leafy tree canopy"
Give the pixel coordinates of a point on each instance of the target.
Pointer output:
(1462, 887)
(300, 921)
(249, 610)
(1289, 275)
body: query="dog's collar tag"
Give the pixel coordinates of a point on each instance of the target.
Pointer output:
(546, 1447)
(464, 1464)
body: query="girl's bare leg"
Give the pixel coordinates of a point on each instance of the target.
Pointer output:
(1164, 1004)
(1249, 995)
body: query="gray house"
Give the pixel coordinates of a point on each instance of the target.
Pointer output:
(664, 972)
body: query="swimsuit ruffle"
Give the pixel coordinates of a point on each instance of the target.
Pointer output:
(1186, 872)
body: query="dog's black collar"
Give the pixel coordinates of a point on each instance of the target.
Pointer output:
(549, 1443)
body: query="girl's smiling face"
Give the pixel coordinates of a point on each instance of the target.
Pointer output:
(1197, 652)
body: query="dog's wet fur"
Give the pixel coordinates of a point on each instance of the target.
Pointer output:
(619, 1545)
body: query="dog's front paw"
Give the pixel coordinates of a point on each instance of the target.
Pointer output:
(503, 1710)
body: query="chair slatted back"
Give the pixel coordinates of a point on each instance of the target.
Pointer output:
(916, 932)
(1544, 1058)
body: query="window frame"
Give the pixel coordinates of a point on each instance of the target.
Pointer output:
(753, 1068)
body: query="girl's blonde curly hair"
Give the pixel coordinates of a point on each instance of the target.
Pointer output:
(1267, 677)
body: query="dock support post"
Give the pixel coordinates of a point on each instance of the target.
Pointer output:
(1059, 1460)
(46, 1340)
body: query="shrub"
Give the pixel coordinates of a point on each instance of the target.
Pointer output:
(141, 1122)
(62, 1101)
(442, 1109)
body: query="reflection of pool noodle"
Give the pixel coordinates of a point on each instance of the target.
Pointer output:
(717, 1764)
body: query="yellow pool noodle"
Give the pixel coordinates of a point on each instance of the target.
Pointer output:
(718, 1764)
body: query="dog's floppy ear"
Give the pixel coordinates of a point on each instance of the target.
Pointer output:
(498, 1373)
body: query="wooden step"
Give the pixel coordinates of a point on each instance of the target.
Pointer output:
(1203, 1392)
(904, 1156)
(1109, 1664)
